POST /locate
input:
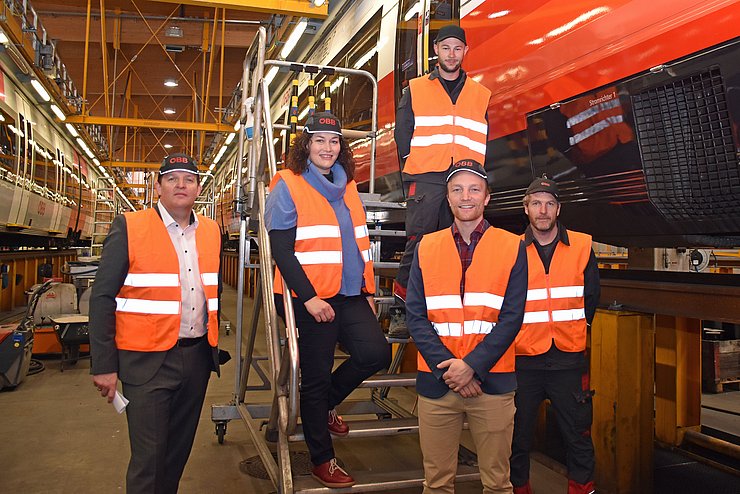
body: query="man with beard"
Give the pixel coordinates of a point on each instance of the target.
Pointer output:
(562, 295)
(441, 118)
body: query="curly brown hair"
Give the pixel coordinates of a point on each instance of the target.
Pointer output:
(297, 160)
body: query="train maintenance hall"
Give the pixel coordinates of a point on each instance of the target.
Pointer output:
(399, 246)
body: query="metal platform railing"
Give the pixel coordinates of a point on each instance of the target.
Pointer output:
(280, 415)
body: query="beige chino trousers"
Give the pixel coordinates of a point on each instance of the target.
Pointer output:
(491, 422)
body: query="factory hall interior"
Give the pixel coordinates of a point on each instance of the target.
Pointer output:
(400, 246)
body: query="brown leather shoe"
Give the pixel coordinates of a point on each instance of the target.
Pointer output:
(336, 424)
(332, 475)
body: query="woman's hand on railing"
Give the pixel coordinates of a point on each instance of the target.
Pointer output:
(319, 309)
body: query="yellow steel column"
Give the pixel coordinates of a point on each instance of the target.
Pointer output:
(622, 375)
(104, 50)
(677, 377)
(221, 74)
(84, 65)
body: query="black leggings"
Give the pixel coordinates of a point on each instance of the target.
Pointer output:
(356, 328)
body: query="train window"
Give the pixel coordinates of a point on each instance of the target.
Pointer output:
(406, 36)
(7, 145)
(441, 13)
(352, 96)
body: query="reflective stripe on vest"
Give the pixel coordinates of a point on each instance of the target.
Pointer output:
(318, 246)
(462, 322)
(443, 132)
(555, 308)
(148, 305)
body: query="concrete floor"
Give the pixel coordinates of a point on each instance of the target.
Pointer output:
(60, 436)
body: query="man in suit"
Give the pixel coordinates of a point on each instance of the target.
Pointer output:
(154, 314)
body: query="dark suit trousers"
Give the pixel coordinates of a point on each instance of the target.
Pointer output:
(427, 211)
(357, 329)
(163, 415)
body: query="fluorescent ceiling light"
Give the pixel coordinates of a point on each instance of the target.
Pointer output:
(303, 114)
(218, 156)
(171, 83)
(96, 161)
(334, 85)
(318, 3)
(82, 143)
(40, 89)
(169, 111)
(238, 124)
(2, 117)
(71, 129)
(89, 153)
(229, 138)
(101, 168)
(4, 38)
(294, 37)
(271, 74)
(168, 146)
(59, 113)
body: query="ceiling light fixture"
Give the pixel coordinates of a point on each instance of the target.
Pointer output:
(40, 89)
(168, 146)
(96, 161)
(59, 113)
(71, 129)
(294, 37)
(318, 3)
(171, 83)
(4, 38)
(230, 138)
(169, 111)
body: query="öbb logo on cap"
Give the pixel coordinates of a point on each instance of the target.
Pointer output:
(465, 163)
(327, 120)
(179, 159)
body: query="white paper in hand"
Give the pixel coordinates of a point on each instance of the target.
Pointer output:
(119, 402)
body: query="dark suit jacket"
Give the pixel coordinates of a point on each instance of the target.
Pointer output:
(132, 367)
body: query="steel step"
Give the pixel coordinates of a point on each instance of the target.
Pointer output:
(386, 233)
(385, 300)
(390, 380)
(385, 265)
(372, 481)
(371, 428)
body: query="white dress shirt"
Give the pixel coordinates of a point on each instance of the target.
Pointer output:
(193, 312)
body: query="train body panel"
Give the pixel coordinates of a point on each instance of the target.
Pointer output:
(606, 55)
(46, 193)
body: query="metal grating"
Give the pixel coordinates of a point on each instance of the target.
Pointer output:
(685, 136)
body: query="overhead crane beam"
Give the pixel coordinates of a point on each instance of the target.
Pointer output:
(146, 165)
(150, 123)
(283, 7)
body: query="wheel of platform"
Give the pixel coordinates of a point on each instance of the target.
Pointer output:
(220, 431)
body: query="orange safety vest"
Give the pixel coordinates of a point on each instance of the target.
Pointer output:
(462, 323)
(555, 308)
(445, 133)
(148, 304)
(318, 242)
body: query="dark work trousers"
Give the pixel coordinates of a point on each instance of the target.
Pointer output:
(427, 211)
(568, 391)
(357, 329)
(162, 418)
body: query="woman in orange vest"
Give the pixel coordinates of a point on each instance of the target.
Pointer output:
(319, 238)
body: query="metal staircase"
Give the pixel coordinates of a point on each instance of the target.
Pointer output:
(105, 208)
(279, 416)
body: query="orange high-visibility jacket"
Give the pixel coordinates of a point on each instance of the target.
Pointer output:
(555, 308)
(318, 243)
(445, 133)
(462, 322)
(148, 304)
